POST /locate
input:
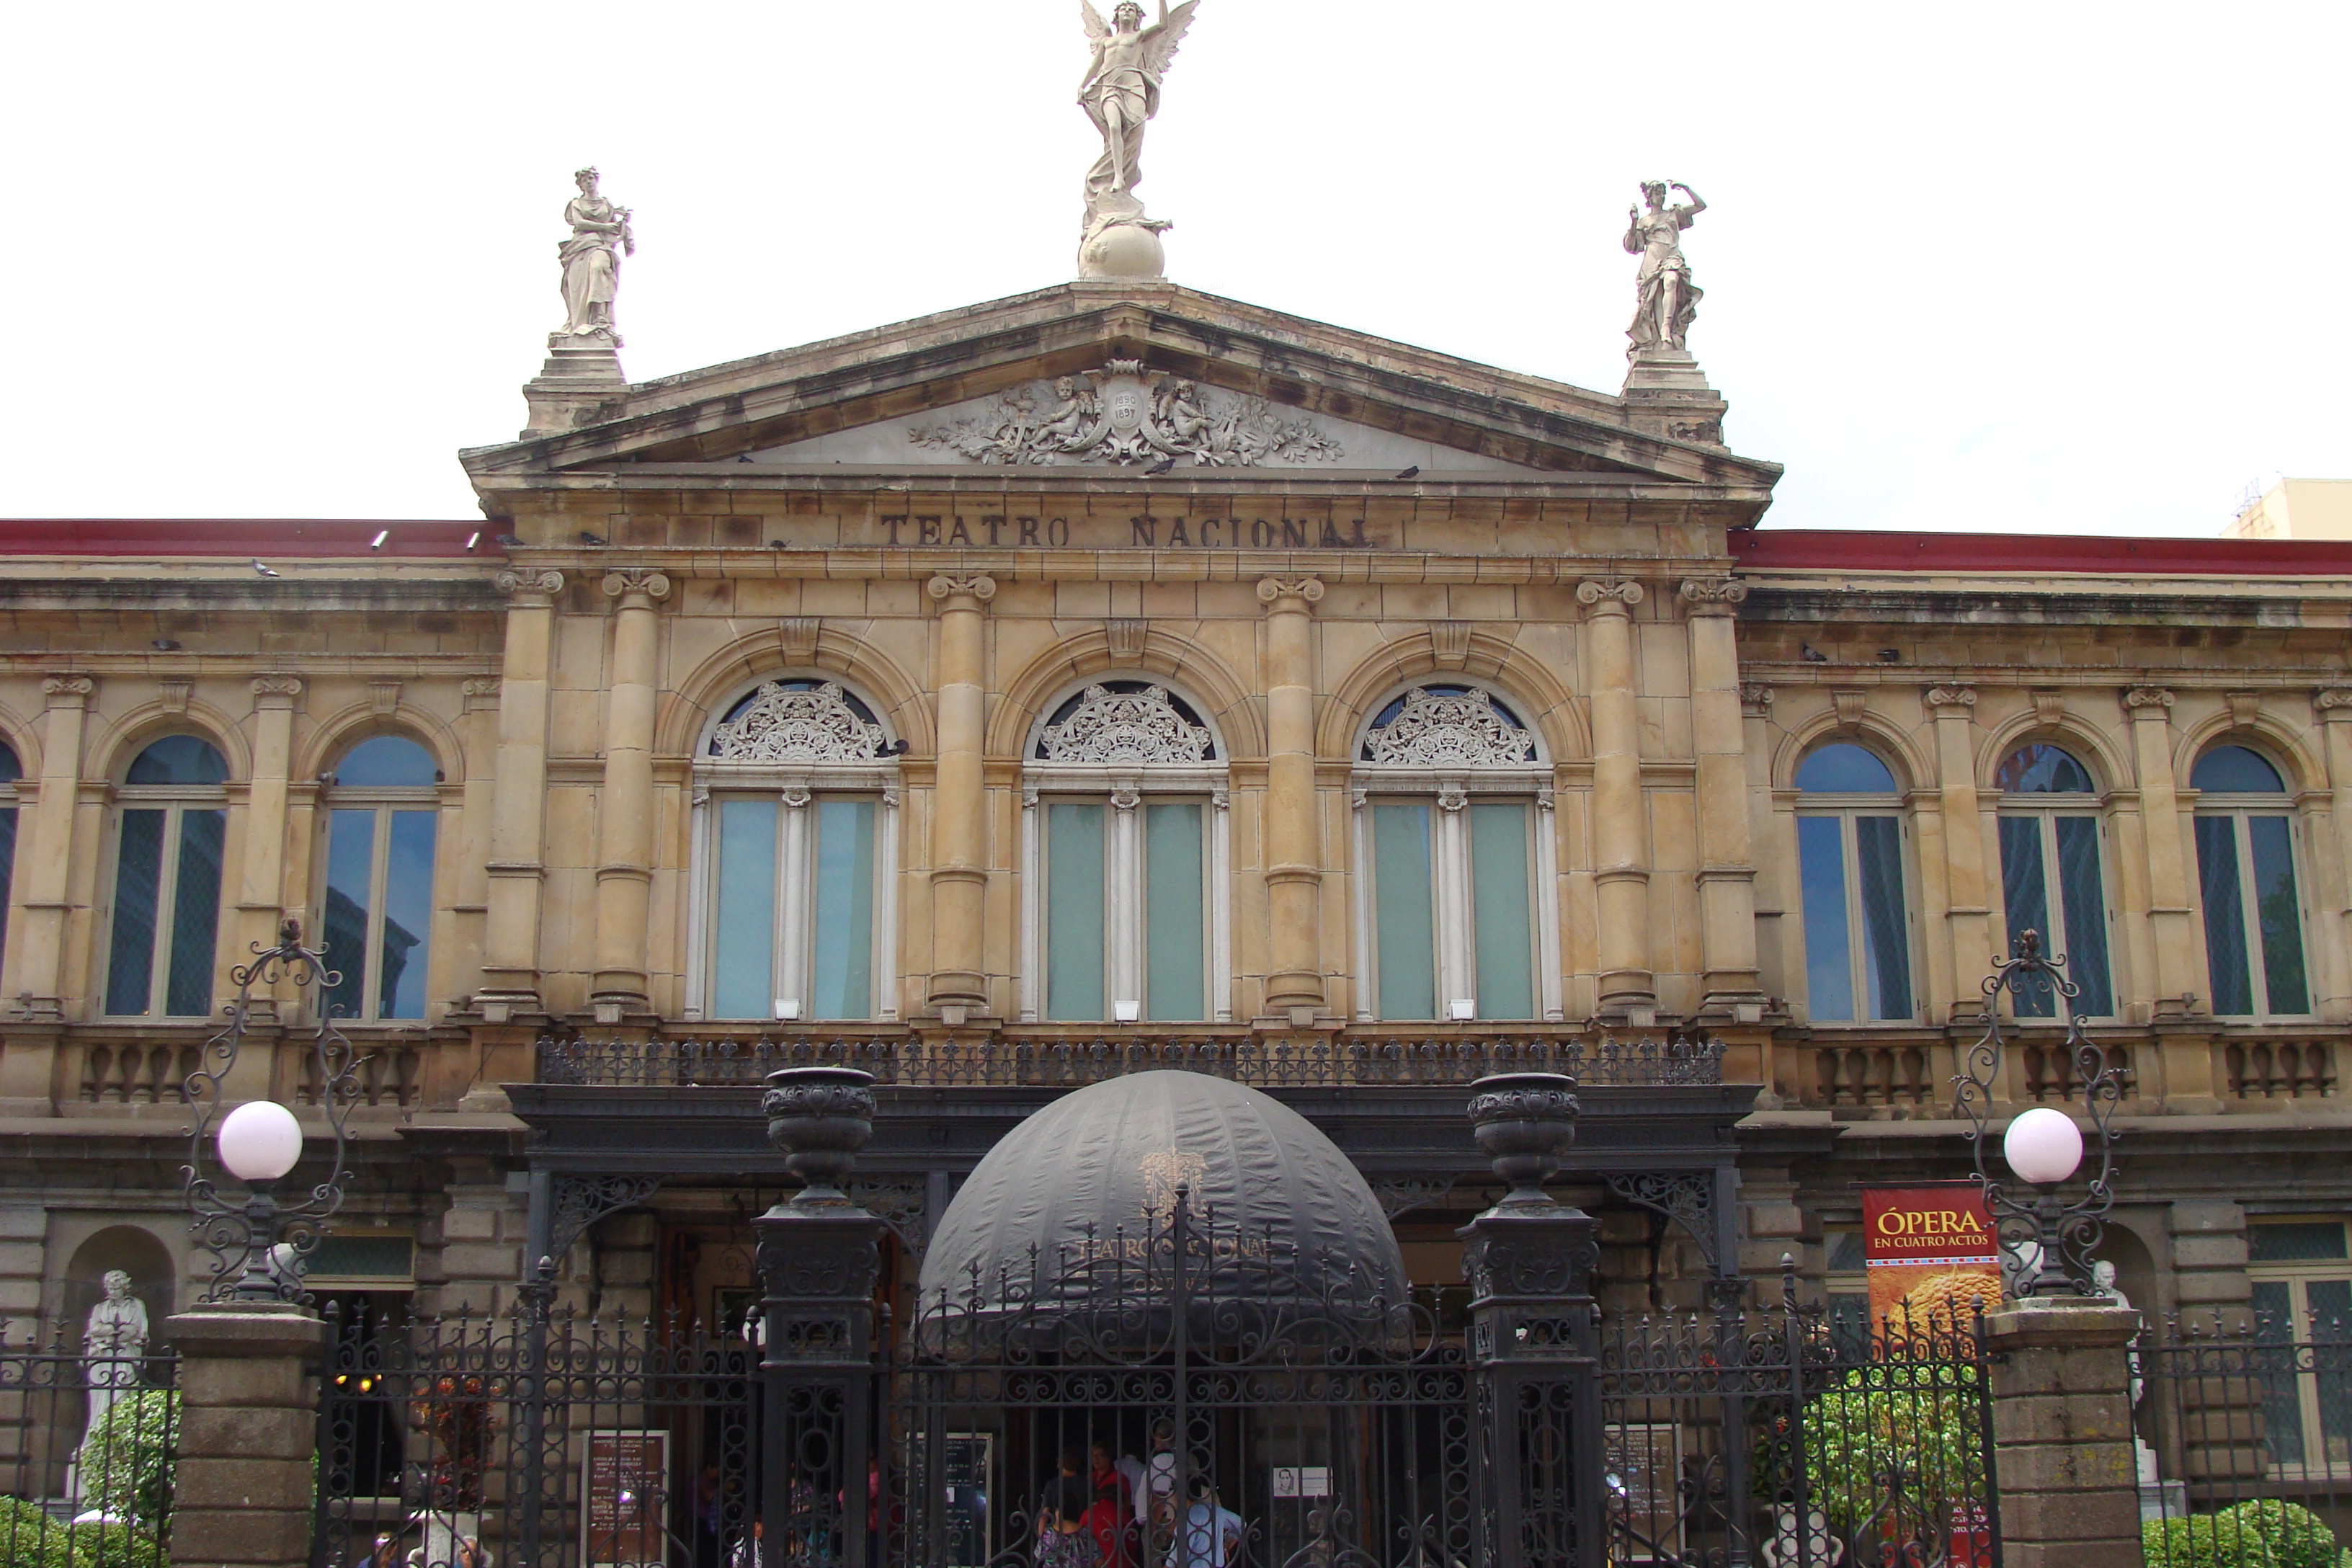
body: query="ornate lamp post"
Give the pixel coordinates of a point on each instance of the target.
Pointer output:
(258, 1242)
(2052, 1240)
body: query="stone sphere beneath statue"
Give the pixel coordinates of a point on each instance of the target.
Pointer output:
(1123, 250)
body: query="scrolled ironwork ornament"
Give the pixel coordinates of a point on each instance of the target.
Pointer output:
(2051, 1242)
(259, 1246)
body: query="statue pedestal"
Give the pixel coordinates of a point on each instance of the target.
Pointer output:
(1666, 394)
(579, 383)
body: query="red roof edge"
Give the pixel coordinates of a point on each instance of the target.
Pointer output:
(1803, 549)
(299, 538)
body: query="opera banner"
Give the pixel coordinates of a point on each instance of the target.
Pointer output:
(1930, 1254)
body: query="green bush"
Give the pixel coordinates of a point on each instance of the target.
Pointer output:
(29, 1538)
(126, 1461)
(1922, 1419)
(2298, 1537)
(2207, 1540)
(117, 1546)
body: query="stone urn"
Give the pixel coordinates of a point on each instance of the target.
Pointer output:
(1525, 1122)
(820, 1118)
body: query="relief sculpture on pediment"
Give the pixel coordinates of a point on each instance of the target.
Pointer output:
(1126, 414)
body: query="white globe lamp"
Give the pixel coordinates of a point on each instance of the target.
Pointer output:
(259, 1142)
(2044, 1146)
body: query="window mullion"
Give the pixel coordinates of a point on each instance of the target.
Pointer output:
(1857, 917)
(792, 887)
(167, 904)
(2250, 919)
(1123, 895)
(1457, 978)
(379, 887)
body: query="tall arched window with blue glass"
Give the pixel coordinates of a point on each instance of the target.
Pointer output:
(1849, 833)
(2051, 877)
(1456, 869)
(1123, 854)
(2245, 870)
(383, 805)
(171, 830)
(795, 835)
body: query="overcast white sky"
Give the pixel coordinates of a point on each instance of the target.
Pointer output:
(2044, 268)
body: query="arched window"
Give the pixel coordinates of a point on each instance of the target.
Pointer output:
(11, 769)
(171, 826)
(2245, 869)
(795, 828)
(1849, 833)
(2051, 876)
(382, 812)
(1456, 910)
(1124, 834)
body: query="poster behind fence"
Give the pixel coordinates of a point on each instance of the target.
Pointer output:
(1930, 1254)
(625, 1486)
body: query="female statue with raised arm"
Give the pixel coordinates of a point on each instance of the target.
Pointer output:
(1667, 298)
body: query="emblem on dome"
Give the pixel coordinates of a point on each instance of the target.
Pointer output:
(1126, 414)
(1166, 1171)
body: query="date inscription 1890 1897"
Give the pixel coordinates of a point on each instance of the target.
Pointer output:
(992, 530)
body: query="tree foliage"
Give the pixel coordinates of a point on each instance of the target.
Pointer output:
(125, 1462)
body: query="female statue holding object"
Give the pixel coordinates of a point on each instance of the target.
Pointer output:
(591, 260)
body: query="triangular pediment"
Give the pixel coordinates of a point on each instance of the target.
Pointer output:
(1116, 378)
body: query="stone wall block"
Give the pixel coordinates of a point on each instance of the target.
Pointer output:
(2101, 1465)
(227, 1383)
(249, 1433)
(206, 1536)
(481, 1261)
(2027, 1419)
(226, 1483)
(469, 1225)
(2074, 1520)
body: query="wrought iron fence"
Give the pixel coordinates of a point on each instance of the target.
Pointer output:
(1768, 1435)
(88, 1438)
(2244, 1438)
(1017, 1063)
(534, 1439)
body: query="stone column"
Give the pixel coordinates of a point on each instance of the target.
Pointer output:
(248, 1435)
(2063, 1433)
(1966, 887)
(958, 987)
(1293, 843)
(261, 885)
(625, 817)
(510, 947)
(1621, 875)
(2335, 880)
(2179, 958)
(1727, 858)
(44, 855)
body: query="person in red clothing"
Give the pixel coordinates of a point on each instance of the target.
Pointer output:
(1110, 1517)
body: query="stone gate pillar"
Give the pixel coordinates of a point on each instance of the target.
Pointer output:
(241, 1488)
(1535, 1338)
(2062, 1423)
(819, 1258)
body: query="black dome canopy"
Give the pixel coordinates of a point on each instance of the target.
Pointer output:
(1276, 1200)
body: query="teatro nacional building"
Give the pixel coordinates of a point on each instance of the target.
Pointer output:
(1114, 678)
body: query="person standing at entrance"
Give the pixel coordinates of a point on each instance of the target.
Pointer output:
(1107, 1516)
(1063, 1539)
(1211, 1535)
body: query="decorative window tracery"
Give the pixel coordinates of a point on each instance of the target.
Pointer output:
(1449, 726)
(799, 721)
(1123, 722)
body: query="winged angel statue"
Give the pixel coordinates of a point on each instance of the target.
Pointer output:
(1120, 94)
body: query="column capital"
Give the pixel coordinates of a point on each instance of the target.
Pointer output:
(2334, 704)
(275, 690)
(528, 585)
(1296, 593)
(67, 690)
(1609, 596)
(1712, 595)
(980, 588)
(2153, 702)
(633, 584)
(1754, 699)
(1952, 702)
